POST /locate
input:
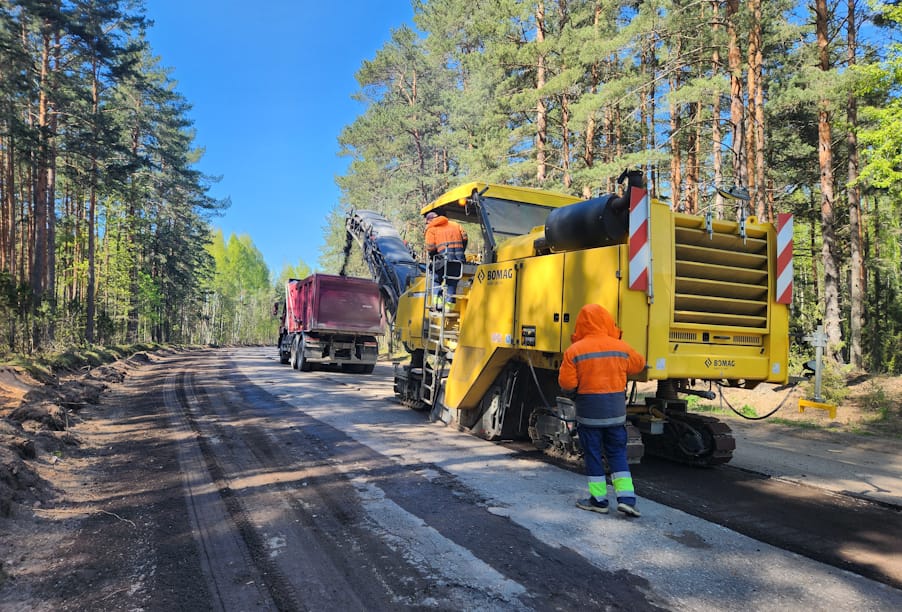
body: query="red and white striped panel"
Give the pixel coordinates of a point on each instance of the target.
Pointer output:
(784, 258)
(640, 249)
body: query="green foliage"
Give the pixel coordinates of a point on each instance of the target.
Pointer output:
(878, 401)
(237, 305)
(301, 270)
(565, 97)
(697, 406)
(833, 384)
(118, 141)
(794, 423)
(562, 98)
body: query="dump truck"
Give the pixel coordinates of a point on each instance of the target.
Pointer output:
(330, 320)
(704, 299)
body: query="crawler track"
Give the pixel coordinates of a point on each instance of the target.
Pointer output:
(682, 430)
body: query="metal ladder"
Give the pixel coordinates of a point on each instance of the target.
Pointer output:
(441, 335)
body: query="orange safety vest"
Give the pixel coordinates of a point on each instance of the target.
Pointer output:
(444, 237)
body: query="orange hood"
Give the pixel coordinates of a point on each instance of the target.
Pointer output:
(594, 320)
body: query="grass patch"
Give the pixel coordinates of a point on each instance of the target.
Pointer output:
(877, 401)
(745, 410)
(45, 367)
(796, 424)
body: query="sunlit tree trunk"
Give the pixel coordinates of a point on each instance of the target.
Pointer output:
(857, 270)
(756, 152)
(90, 306)
(541, 110)
(734, 59)
(825, 159)
(716, 136)
(676, 177)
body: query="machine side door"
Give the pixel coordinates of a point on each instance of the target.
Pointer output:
(591, 276)
(539, 293)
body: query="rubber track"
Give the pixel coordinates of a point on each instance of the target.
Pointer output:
(720, 434)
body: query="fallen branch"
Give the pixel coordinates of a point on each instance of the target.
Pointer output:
(130, 522)
(86, 512)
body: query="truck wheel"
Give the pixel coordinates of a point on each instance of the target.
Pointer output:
(294, 354)
(284, 358)
(367, 368)
(303, 364)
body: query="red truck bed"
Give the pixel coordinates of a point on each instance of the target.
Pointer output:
(326, 303)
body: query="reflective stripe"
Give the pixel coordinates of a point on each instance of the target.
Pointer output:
(600, 355)
(451, 244)
(598, 488)
(623, 484)
(784, 258)
(617, 420)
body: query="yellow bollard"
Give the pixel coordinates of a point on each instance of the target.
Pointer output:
(830, 408)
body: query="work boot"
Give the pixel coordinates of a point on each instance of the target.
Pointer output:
(628, 509)
(593, 505)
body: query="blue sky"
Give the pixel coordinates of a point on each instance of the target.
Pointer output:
(270, 83)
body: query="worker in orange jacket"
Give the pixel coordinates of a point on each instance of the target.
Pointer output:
(445, 241)
(595, 368)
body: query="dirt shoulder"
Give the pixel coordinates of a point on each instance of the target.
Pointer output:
(872, 408)
(89, 494)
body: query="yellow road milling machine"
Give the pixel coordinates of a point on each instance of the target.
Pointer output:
(705, 301)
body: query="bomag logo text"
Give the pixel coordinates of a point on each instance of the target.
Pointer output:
(505, 274)
(720, 363)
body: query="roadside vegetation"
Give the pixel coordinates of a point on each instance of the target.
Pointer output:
(866, 405)
(107, 229)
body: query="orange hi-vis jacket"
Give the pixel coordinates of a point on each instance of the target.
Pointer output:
(596, 365)
(444, 237)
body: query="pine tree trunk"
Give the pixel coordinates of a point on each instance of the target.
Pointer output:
(9, 202)
(857, 270)
(52, 124)
(541, 111)
(676, 177)
(591, 121)
(131, 325)
(716, 136)
(734, 59)
(828, 230)
(565, 142)
(38, 272)
(879, 293)
(751, 113)
(760, 181)
(90, 305)
(692, 158)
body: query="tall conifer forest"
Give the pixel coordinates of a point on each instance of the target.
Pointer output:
(106, 227)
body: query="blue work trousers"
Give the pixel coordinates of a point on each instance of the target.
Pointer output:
(610, 443)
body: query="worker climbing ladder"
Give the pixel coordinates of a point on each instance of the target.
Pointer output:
(441, 326)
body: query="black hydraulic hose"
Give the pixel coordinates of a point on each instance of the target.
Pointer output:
(723, 398)
(550, 410)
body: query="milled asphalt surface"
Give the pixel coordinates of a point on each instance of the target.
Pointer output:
(690, 564)
(859, 466)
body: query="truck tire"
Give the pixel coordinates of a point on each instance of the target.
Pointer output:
(367, 368)
(284, 358)
(303, 364)
(294, 353)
